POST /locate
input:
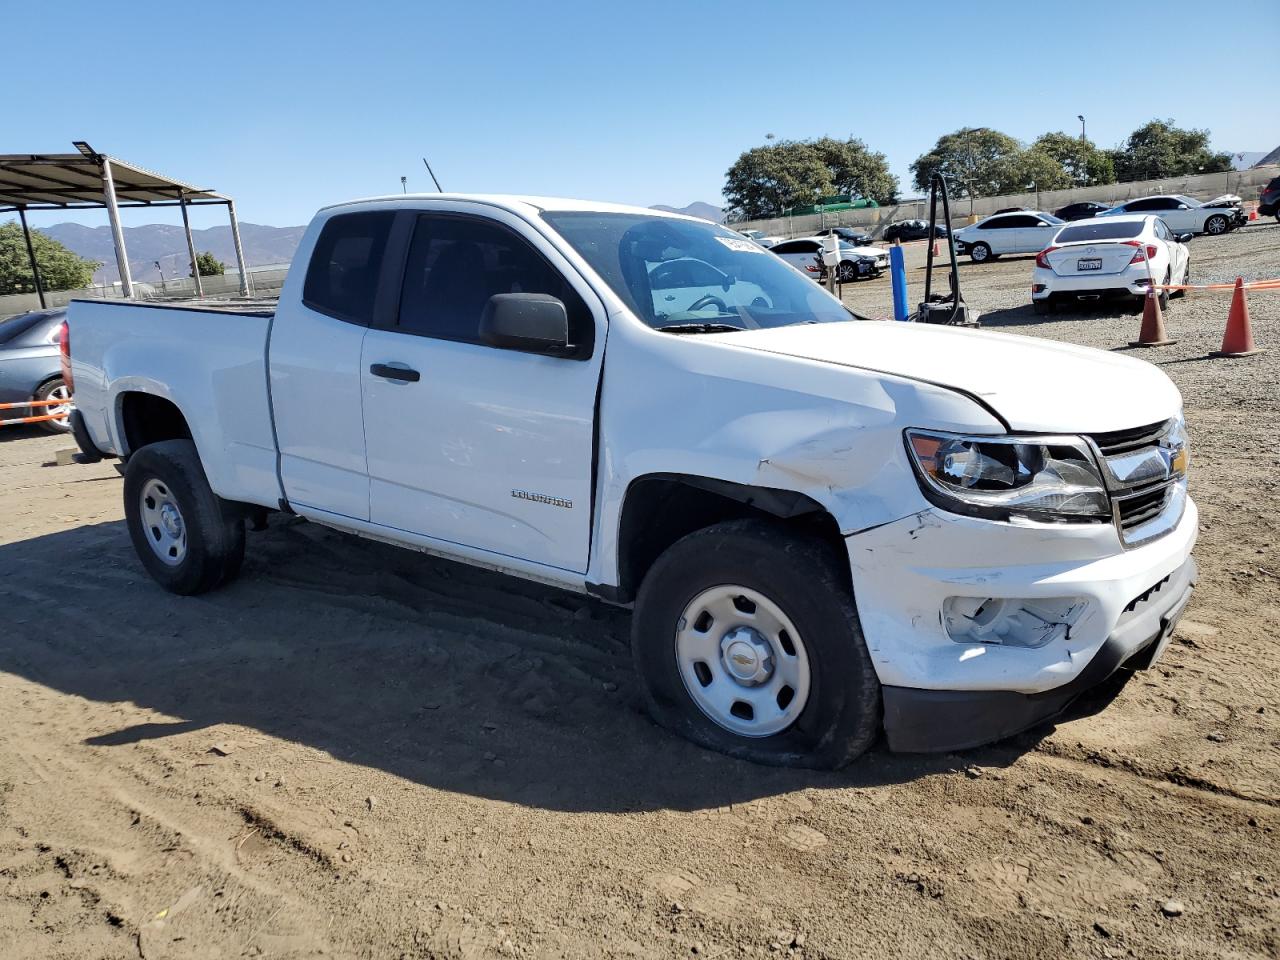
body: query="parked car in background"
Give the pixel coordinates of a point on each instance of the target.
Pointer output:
(760, 237)
(1109, 258)
(1081, 210)
(905, 230)
(1232, 203)
(1269, 200)
(1002, 233)
(859, 238)
(855, 261)
(1182, 214)
(30, 366)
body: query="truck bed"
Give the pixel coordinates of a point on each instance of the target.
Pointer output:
(204, 356)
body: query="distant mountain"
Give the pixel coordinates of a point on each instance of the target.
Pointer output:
(168, 244)
(706, 211)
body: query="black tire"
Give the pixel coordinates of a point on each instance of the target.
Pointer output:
(804, 578)
(1042, 307)
(847, 272)
(980, 253)
(1164, 294)
(1217, 225)
(45, 392)
(214, 528)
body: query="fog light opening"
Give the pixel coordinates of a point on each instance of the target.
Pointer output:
(1030, 622)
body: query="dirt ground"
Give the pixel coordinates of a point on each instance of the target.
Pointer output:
(357, 751)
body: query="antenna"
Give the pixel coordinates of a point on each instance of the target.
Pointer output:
(433, 175)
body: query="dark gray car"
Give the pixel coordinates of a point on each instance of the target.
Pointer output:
(30, 367)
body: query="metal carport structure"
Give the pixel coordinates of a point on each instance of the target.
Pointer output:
(88, 180)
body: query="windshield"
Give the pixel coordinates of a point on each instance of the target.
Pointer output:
(1093, 230)
(680, 272)
(1050, 218)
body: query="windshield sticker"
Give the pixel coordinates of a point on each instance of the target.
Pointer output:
(741, 244)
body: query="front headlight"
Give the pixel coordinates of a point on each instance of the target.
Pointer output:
(1045, 478)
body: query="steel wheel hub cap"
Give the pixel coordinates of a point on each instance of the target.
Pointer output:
(162, 522)
(742, 661)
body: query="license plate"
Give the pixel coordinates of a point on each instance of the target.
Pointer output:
(1094, 263)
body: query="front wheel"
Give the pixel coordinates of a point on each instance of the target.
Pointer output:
(1216, 225)
(747, 641)
(188, 538)
(980, 253)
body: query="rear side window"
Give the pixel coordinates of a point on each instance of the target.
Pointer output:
(1099, 230)
(456, 264)
(342, 278)
(13, 327)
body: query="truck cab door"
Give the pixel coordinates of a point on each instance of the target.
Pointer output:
(487, 447)
(315, 355)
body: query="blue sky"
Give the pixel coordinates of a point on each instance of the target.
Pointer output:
(290, 105)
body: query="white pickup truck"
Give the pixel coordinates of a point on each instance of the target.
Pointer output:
(828, 527)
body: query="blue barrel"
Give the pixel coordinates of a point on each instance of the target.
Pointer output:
(898, 278)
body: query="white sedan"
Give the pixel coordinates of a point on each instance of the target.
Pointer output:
(1023, 231)
(805, 255)
(1107, 258)
(1181, 214)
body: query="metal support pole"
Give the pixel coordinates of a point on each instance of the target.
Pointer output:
(31, 255)
(235, 238)
(117, 233)
(191, 245)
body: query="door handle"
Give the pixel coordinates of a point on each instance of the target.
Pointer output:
(395, 373)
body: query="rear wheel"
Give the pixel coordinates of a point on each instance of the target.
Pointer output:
(747, 641)
(1164, 292)
(1042, 307)
(847, 272)
(1186, 279)
(980, 253)
(55, 389)
(1216, 225)
(189, 539)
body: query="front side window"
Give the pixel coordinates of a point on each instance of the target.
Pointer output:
(695, 276)
(456, 264)
(342, 277)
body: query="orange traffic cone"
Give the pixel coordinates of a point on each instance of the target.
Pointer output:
(1253, 214)
(1152, 333)
(935, 248)
(1237, 341)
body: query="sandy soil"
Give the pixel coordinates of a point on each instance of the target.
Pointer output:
(357, 751)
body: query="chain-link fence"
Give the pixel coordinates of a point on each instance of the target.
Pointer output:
(264, 282)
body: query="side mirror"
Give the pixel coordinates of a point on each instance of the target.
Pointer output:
(1184, 237)
(529, 322)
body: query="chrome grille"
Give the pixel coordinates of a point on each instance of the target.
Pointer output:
(1142, 491)
(1126, 441)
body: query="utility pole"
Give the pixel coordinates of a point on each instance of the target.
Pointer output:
(404, 184)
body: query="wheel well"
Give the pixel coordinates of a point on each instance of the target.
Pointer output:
(147, 418)
(662, 508)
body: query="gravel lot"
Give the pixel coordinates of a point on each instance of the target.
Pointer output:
(357, 751)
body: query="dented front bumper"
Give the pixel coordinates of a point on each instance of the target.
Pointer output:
(904, 572)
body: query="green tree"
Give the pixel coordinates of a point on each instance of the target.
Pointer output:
(981, 162)
(60, 269)
(1085, 165)
(766, 181)
(856, 170)
(210, 266)
(1159, 149)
